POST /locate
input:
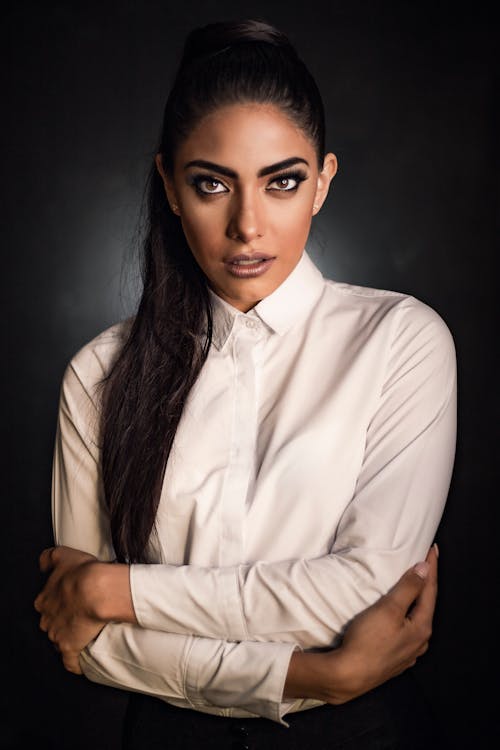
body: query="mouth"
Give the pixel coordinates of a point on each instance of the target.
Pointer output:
(250, 262)
(244, 266)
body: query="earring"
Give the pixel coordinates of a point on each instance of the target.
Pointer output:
(175, 208)
(315, 206)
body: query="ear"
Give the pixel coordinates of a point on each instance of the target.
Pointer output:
(324, 179)
(168, 184)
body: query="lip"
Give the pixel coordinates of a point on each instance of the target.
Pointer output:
(262, 263)
(246, 256)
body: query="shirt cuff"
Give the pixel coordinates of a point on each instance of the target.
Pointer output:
(248, 675)
(128, 657)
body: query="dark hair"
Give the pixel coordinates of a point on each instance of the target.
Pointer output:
(145, 391)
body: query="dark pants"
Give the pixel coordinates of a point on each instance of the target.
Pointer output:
(394, 716)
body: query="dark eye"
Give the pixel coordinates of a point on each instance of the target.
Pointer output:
(208, 185)
(286, 183)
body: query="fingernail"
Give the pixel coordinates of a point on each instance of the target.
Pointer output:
(421, 569)
(436, 548)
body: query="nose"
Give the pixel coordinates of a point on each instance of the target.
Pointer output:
(246, 221)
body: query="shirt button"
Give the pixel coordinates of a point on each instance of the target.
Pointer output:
(250, 324)
(240, 731)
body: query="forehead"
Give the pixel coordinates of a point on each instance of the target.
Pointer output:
(239, 134)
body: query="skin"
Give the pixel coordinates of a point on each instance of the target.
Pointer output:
(246, 213)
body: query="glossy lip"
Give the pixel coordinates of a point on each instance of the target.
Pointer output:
(246, 256)
(252, 270)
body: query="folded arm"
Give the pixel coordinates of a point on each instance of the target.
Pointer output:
(410, 445)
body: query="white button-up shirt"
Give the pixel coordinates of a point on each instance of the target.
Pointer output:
(309, 470)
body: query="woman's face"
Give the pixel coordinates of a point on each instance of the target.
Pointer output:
(245, 182)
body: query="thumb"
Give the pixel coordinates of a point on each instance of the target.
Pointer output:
(409, 586)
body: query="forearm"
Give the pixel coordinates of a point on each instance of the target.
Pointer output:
(262, 678)
(304, 601)
(197, 672)
(216, 673)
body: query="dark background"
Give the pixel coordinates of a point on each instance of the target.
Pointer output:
(409, 91)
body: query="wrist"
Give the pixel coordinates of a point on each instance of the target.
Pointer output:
(341, 682)
(325, 676)
(309, 676)
(108, 593)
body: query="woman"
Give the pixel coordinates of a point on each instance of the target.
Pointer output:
(262, 453)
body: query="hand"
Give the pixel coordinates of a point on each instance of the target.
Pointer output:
(379, 643)
(388, 637)
(63, 604)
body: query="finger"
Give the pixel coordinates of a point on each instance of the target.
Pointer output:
(43, 624)
(423, 648)
(433, 552)
(409, 587)
(71, 662)
(52, 635)
(423, 610)
(45, 560)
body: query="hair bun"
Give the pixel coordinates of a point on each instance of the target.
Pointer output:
(217, 37)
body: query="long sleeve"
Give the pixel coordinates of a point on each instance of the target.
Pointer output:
(198, 672)
(309, 470)
(388, 525)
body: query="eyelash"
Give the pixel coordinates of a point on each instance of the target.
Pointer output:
(299, 176)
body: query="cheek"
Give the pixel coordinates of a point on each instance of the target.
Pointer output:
(295, 227)
(204, 238)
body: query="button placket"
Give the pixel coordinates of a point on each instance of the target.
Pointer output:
(243, 435)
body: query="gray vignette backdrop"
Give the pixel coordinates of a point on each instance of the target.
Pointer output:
(409, 91)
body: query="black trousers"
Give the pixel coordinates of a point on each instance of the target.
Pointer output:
(394, 716)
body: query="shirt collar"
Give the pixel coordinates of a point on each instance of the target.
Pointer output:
(287, 305)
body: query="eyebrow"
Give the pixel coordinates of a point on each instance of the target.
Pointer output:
(261, 173)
